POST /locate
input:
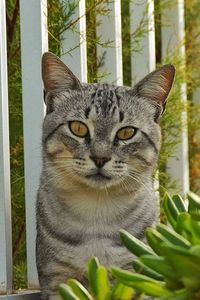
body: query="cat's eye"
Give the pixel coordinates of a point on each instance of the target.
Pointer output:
(126, 133)
(78, 128)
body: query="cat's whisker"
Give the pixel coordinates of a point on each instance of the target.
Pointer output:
(61, 167)
(106, 190)
(125, 187)
(129, 184)
(58, 162)
(65, 162)
(142, 174)
(56, 177)
(148, 179)
(139, 181)
(123, 184)
(137, 173)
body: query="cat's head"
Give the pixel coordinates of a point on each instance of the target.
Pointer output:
(102, 135)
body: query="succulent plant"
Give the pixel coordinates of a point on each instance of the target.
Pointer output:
(168, 268)
(99, 286)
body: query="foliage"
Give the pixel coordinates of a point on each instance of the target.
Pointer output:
(16, 143)
(168, 268)
(193, 82)
(171, 122)
(99, 286)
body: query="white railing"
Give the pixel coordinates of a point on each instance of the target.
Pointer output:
(34, 41)
(5, 203)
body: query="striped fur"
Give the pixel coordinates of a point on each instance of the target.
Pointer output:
(79, 213)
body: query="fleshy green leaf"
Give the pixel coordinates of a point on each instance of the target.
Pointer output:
(172, 236)
(195, 215)
(185, 264)
(179, 202)
(178, 295)
(122, 292)
(160, 265)
(142, 283)
(79, 290)
(144, 270)
(134, 245)
(67, 293)
(195, 250)
(170, 209)
(189, 228)
(92, 274)
(155, 239)
(194, 201)
(103, 290)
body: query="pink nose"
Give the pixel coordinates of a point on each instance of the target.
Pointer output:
(100, 161)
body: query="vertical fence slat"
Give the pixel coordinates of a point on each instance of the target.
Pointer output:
(109, 30)
(143, 61)
(173, 35)
(5, 199)
(34, 41)
(74, 50)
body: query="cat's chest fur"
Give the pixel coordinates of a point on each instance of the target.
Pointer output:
(82, 224)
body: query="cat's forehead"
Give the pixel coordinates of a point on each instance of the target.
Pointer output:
(104, 104)
(103, 100)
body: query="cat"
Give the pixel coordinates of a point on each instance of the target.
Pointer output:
(100, 147)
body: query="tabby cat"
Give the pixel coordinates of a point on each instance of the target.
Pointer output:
(100, 147)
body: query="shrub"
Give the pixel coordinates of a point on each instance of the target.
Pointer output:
(168, 268)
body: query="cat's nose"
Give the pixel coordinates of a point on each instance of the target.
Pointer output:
(100, 161)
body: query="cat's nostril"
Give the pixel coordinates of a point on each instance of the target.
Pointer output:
(100, 161)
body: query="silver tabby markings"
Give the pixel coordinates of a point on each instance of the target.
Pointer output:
(100, 148)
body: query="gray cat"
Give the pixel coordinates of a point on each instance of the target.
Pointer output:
(100, 147)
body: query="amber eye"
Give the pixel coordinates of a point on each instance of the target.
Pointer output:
(78, 128)
(126, 133)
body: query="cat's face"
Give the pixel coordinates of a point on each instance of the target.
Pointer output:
(98, 134)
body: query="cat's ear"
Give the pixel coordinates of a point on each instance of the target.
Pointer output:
(56, 75)
(157, 85)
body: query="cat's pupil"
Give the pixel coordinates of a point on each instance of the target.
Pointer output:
(126, 133)
(78, 128)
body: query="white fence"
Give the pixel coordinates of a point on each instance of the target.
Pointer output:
(34, 41)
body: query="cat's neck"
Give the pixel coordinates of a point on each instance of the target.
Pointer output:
(89, 203)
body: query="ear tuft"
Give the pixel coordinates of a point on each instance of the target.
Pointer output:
(56, 75)
(157, 85)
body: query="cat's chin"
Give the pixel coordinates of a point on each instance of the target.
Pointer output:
(99, 177)
(99, 181)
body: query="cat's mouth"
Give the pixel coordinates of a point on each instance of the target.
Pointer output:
(98, 177)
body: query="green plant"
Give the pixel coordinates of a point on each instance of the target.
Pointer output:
(168, 268)
(99, 286)
(175, 256)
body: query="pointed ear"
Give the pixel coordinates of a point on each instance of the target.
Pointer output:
(56, 75)
(157, 85)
